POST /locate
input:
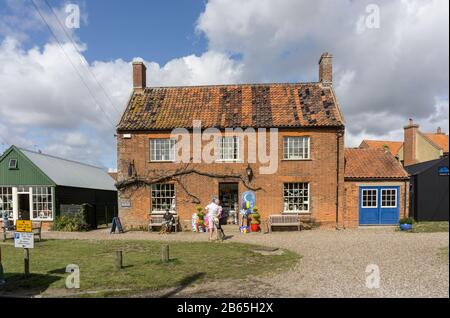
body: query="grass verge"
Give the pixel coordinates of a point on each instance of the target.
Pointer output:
(190, 263)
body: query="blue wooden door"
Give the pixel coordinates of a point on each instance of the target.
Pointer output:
(378, 205)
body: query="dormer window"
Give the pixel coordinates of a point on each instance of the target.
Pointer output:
(12, 164)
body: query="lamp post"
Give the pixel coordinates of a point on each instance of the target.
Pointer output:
(249, 173)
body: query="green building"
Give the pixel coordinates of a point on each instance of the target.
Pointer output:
(39, 187)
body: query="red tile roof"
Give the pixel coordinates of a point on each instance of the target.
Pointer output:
(369, 163)
(392, 146)
(440, 140)
(228, 106)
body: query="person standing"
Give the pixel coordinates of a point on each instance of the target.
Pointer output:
(213, 215)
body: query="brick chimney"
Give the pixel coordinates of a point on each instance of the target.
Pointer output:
(326, 69)
(139, 76)
(439, 131)
(409, 143)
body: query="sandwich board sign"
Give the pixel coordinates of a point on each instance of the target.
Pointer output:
(24, 236)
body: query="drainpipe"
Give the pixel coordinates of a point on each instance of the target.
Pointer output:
(339, 135)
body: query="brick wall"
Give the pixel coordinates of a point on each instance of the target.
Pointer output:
(319, 171)
(351, 205)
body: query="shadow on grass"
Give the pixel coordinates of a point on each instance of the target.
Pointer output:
(185, 282)
(19, 285)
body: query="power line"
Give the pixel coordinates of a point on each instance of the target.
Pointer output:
(79, 75)
(80, 55)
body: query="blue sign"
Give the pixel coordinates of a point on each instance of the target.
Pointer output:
(443, 171)
(248, 201)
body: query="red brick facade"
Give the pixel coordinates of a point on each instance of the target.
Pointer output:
(320, 171)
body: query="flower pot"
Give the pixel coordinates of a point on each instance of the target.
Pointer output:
(254, 227)
(405, 227)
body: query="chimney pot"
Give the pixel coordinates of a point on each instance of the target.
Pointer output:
(139, 76)
(326, 69)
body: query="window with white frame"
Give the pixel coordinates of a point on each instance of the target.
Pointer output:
(296, 148)
(228, 148)
(369, 198)
(6, 202)
(163, 197)
(388, 198)
(296, 197)
(162, 149)
(42, 203)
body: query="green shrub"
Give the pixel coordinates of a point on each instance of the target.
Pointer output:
(71, 223)
(406, 221)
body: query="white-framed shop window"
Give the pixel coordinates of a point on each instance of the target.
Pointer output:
(42, 203)
(388, 198)
(162, 149)
(296, 148)
(228, 148)
(296, 197)
(369, 198)
(6, 201)
(163, 198)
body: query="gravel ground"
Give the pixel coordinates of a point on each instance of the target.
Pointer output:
(333, 263)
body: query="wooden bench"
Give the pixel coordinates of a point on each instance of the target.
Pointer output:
(284, 220)
(10, 228)
(157, 220)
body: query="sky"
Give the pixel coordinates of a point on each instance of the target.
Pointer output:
(64, 85)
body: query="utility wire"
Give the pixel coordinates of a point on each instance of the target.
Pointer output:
(79, 74)
(80, 55)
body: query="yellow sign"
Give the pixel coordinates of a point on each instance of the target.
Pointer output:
(24, 226)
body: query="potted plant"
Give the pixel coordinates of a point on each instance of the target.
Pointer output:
(406, 224)
(201, 226)
(254, 224)
(201, 219)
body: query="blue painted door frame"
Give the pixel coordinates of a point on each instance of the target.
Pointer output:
(379, 205)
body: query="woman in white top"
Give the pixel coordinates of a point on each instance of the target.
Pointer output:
(213, 215)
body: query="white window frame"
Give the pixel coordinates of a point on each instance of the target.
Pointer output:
(220, 148)
(304, 143)
(9, 194)
(376, 199)
(304, 202)
(172, 208)
(16, 164)
(33, 195)
(396, 198)
(154, 149)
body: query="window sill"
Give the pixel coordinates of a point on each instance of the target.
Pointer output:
(229, 161)
(296, 212)
(161, 212)
(284, 159)
(161, 161)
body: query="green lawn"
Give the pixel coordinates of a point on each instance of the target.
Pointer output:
(143, 271)
(429, 227)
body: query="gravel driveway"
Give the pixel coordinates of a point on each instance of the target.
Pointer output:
(333, 262)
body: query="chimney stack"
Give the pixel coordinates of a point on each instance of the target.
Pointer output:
(139, 76)
(409, 143)
(326, 69)
(439, 131)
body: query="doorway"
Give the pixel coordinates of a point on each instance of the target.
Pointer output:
(229, 200)
(24, 206)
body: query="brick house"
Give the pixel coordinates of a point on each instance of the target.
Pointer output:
(376, 188)
(309, 175)
(416, 147)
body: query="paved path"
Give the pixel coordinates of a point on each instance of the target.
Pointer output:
(333, 263)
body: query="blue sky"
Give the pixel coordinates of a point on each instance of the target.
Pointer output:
(53, 101)
(155, 30)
